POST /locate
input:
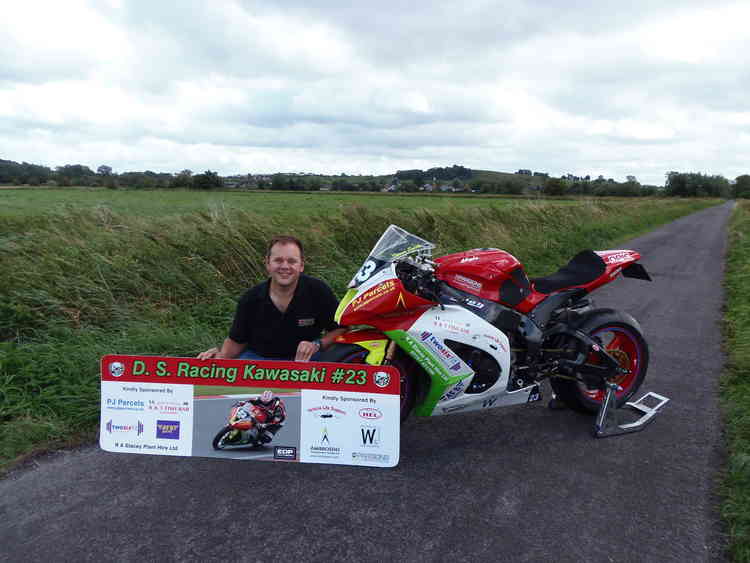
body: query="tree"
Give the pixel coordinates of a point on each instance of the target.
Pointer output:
(104, 170)
(742, 186)
(207, 181)
(553, 186)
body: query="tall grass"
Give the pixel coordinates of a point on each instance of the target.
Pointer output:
(83, 283)
(736, 385)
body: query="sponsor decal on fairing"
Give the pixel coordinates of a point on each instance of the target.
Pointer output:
(453, 392)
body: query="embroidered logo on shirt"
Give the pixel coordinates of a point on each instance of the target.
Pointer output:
(305, 322)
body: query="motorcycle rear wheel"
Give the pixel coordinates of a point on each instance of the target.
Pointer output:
(620, 335)
(352, 354)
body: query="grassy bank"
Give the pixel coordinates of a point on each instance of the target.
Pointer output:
(81, 283)
(736, 385)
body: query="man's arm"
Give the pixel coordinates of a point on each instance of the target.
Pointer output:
(230, 349)
(306, 349)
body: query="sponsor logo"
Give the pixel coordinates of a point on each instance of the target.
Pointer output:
(113, 428)
(366, 456)
(370, 436)
(117, 369)
(168, 429)
(168, 407)
(454, 408)
(489, 402)
(496, 340)
(534, 395)
(284, 452)
(305, 322)
(125, 405)
(467, 282)
(370, 413)
(453, 392)
(380, 290)
(381, 378)
(618, 257)
(451, 326)
(327, 412)
(442, 351)
(324, 447)
(469, 259)
(475, 304)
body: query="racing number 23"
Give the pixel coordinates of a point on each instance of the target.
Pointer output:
(356, 377)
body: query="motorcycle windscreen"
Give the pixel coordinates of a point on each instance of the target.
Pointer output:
(395, 243)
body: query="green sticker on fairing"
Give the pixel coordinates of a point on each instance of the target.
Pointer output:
(344, 303)
(441, 378)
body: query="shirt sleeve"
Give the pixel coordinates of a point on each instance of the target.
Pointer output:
(242, 324)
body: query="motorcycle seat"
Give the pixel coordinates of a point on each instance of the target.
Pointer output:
(582, 269)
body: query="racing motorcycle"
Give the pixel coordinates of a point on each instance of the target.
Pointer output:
(243, 430)
(470, 331)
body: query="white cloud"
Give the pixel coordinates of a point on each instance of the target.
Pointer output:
(586, 87)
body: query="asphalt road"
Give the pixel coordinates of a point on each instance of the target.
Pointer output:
(516, 484)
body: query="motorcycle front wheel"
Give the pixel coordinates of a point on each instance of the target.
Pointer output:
(222, 438)
(620, 335)
(352, 354)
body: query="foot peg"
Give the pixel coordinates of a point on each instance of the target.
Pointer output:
(607, 419)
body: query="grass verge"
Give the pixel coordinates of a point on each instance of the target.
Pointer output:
(735, 387)
(77, 285)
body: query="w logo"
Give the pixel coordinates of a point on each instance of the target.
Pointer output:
(370, 436)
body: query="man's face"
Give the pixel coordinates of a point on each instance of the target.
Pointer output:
(285, 264)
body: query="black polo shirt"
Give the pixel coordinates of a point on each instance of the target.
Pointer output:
(271, 333)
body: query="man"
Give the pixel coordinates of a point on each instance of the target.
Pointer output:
(283, 317)
(275, 413)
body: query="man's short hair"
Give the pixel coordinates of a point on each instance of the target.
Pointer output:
(285, 239)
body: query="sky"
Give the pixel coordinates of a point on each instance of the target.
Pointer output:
(595, 87)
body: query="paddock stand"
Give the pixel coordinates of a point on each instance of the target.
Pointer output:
(607, 419)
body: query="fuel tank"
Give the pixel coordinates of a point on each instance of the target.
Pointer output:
(488, 273)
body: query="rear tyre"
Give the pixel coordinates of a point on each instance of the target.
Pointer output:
(353, 354)
(620, 335)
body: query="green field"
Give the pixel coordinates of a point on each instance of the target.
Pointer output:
(131, 272)
(28, 202)
(736, 385)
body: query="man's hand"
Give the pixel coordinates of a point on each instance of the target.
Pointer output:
(305, 350)
(228, 350)
(212, 353)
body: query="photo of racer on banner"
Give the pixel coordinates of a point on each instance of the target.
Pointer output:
(252, 422)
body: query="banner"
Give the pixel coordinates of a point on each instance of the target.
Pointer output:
(315, 412)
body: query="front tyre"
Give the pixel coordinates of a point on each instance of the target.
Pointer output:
(620, 335)
(353, 354)
(223, 438)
